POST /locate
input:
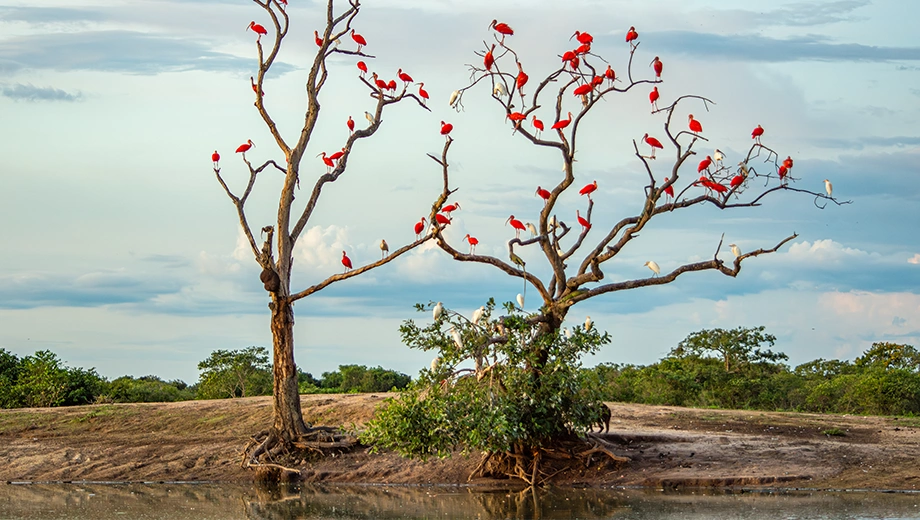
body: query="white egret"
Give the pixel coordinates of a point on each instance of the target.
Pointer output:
(456, 337)
(454, 97)
(828, 187)
(499, 90)
(588, 323)
(735, 250)
(744, 169)
(436, 312)
(520, 300)
(369, 117)
(434, 363)
(653, 266)
(567, 333)
(718, 156)
(533, 229)
(477, 315)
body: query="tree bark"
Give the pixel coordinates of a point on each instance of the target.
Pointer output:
(288, 418)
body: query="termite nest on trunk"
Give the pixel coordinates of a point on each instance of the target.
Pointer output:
(270, 280)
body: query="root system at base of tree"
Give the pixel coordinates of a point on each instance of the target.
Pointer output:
(271, 455)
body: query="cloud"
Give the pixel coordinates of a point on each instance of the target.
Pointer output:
(44, 15)
(118, 51)
(814, 13)
(30, 290)
(754, 47)
(322, 246)
(898, 141)
(20, 91)
(825, 252)
(914, 259)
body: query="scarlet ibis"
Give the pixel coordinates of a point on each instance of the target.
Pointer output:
(351, 124)
(737, 180)
(422, 93)
(610, 74)
(574, 62)
(658, 66)
(653, 266)
(588, 189)
(258, 29)
(653, 143)
(735, 250)
(669, 191)
(516, 118)
(362, 67)
(284, 3)
(582, 220)
(451, 208)
(358, 39)
(537, 124)
(562, 123)
(522, 78)
(828, 187)
(653, 98)
(437, 310)
(255, 88)
(369, 117)
(543, 194)
(404, 77)
(584, 48)
(520, 300)
(384, 248)
(757, 133)
(215, 158)
(583, 90)
(568, 56)
(445, 129)
(704, 164)
(330, 164)
(501, 28)
(718, 187)
(632, 36)
(782, 173)
(337, 155)
(419, 227)
(787, 162)
(346, 261)
(517, 225)
(588, 323)
(382, 85)
(473, 242)
(488, 60)
(391, 84)
(717, 156)
(597, 80)
(243, 148)
(441, 219)
(317, 39)
(477, 314)
(583, 37)
(695, 125)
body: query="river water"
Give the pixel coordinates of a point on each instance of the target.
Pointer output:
(223, 501)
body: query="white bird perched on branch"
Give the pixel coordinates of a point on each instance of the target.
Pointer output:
(369, 117)
(735, 250)
(435, 362)
(588, 323)
(436, 312)
(567, 333)
(717, 156)
(456, 337)
(533, 229)
(653, 266)
(384, 248)
(520, 301)
(454, 98)
(477, 315)
(499, 90)
(828, 187)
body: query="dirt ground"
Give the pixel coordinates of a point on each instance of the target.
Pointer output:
(667, 446)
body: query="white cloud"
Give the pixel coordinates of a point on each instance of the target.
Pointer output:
(914, 259)
(826, 252)
(322, 246)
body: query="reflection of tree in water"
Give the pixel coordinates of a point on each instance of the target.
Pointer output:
(282, 502)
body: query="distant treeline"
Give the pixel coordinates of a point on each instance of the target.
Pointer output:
(43, 379)
(736, 369)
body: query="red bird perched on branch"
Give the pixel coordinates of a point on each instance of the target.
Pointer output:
(653, 143)
(317, 39)
(243, 148)
(537, 123)
(788, 162)
(695, 125)
(446, 129)
(757, 133)
(403, 76)
(358, 39)
(422, 93)
(215, 158)
(382, 85)
(588, 189)
(669, 191)
(501, 28)
(419, 227)
(391, 85)
(330, 164)
(562, 123)
(610, 74)
(704, 164)
(632, 36)
(658, 66)
(653, 98)
(583, 37)
(583, 89)
(351, 124)
(451, 208)
(489, 60)
(258, 29)
(517, 225)
(337, 155)
(255, 88)
(362, 67)
(584, 48)
(473, 242)
(543, 194)
(782, 173)
(346, 261)
(441, 219)
(522, 78)
(737, 180)
(582, 220)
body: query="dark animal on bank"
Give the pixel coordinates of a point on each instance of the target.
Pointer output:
(603, 420)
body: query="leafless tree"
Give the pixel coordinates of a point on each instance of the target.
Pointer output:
(275, 256)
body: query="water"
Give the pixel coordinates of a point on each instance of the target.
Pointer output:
(222, 501)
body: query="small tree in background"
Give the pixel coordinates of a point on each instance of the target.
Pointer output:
(235, 373)
(737, 348)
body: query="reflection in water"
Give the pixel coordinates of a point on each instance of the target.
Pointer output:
(223, 501)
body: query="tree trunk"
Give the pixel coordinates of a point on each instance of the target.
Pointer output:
(288, 418)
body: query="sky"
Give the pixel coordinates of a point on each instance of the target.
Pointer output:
(120, 250)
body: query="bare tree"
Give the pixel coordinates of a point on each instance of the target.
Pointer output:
(576, 254)
(275, 255)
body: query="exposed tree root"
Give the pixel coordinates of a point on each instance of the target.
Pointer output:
(271, 454)
(537, 466)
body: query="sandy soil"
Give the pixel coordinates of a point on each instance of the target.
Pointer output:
(667, 447)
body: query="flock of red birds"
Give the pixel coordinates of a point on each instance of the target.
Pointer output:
(572, 59)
